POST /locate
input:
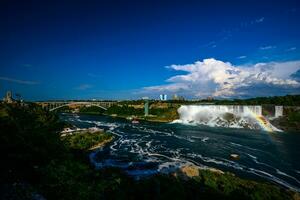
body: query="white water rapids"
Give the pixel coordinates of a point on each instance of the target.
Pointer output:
(231, 116)
(144, 149)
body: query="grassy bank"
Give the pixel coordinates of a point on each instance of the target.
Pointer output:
(158, 112)
(86, 140)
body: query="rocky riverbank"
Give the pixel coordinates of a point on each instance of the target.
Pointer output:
(288, 123)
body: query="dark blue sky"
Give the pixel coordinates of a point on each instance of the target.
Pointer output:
(117, 49)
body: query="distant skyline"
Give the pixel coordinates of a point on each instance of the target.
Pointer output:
(130, 49)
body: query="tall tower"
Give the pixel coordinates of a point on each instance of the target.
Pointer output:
(146, 105)
(8, 97)
(8, 94)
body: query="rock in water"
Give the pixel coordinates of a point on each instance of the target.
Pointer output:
(234, 156)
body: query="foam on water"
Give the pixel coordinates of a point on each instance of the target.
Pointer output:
(230, 116)
(284, 174)
(143, 150)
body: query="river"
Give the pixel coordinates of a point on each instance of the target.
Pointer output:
(149, 148)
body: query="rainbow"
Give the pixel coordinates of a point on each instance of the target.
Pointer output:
(263, 122)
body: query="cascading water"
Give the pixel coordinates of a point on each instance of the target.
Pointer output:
(232, 116)
(278, 111)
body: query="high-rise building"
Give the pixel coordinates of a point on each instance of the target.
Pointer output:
(181, 98)
(163, 97)
(175, 97)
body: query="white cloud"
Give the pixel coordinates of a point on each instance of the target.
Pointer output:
(84, 87)
(267, 47)
(18, 81)
(242, 57)
(222, 79)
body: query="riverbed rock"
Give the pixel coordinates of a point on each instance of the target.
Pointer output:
(190, 170)
(234, 156)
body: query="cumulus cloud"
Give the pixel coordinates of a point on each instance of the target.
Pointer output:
(213, 77)
(18, 81)
(296, 75)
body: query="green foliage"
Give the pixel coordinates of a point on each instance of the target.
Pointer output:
(29, 138)
(294, 117)
(67, 179)
(91, 110)
(63, 109)
(156, 113)
(288, 100)
(236, 188)
(124, 110)
(85, 140)
(291, 120)
(168, 114)
(132, 102)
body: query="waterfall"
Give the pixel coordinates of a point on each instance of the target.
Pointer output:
(233, 116)
(278, 111)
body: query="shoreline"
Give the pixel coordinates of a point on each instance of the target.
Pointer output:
(140, 118)
(101, 144)
(87, 139)
(284, 128)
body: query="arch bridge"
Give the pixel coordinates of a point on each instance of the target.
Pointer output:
(54, 105)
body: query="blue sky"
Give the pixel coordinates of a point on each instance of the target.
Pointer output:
(129, 49)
